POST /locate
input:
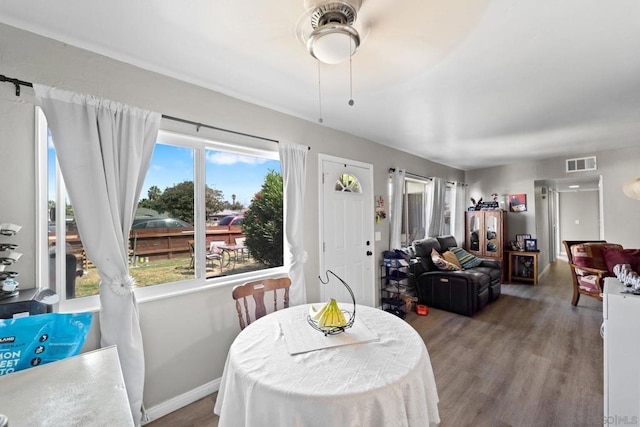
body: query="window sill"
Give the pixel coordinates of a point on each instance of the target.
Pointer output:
(168, 290)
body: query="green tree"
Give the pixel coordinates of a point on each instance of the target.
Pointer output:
(263, 222)
(234, 205)
(154, 193)
(149, 204)
(51, 206)
(213, 202)
(177, 201)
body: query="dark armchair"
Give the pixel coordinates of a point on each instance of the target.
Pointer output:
(465, 292)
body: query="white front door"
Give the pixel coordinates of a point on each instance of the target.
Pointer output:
(346, 229)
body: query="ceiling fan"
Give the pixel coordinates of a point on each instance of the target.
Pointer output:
(389, 41)
(334, 39)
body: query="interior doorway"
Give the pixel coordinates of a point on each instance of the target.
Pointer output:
(575, 211)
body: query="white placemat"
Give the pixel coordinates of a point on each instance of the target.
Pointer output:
(302, 338)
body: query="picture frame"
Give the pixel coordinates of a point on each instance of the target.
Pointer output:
(517, 202)
(520, 239)
(380, 211)
(531, 245)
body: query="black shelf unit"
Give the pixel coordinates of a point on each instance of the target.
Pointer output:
(394, 279)
(7, 254)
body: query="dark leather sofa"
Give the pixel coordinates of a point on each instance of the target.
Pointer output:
(464, 292)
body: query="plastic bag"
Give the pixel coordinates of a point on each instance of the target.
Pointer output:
(35, 340)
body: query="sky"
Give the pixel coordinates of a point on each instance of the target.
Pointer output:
(228, 172)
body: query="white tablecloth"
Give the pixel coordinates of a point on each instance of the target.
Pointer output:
(387, 382)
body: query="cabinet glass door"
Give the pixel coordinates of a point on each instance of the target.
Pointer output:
(474, 232)
(491, 225)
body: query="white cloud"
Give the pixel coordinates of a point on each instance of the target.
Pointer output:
(222, 158)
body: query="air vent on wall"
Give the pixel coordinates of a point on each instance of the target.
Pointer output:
(582, 164)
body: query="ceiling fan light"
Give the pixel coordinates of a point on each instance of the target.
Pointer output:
(632, 189)
(333, 43)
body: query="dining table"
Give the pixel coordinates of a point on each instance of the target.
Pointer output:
(231, 252)
(280, 371)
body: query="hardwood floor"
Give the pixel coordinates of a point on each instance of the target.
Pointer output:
(197, 414)
(528, 359)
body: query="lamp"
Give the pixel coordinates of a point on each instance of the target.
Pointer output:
(333, 39)
(632, 189)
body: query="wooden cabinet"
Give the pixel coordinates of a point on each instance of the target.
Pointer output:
(485, 234)
(523, 266)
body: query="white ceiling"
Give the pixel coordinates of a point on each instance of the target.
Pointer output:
(467, 83)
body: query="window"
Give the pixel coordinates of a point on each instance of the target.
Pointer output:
(190, 182)
(448, 206)
(415, 210)
(348, 184)
(62, 235)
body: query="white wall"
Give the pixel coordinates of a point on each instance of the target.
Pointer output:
(186, 337)
(620, 216)
(579, 215)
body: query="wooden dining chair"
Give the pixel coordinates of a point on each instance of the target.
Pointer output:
(257, 289)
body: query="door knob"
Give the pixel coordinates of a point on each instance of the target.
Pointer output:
(369, 253)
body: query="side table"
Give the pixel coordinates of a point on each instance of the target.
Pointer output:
(523, 266)
(87, 389)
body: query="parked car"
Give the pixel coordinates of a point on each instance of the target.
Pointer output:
(70, 227)
(158, 222)
(229, 222)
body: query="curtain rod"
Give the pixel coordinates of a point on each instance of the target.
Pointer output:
(415, 175)
(202, 125)
(428, 178)
(17, 83)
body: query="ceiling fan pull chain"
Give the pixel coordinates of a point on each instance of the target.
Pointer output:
(350, 84)
(319, 94)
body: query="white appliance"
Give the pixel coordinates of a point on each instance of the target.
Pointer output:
(621, 333)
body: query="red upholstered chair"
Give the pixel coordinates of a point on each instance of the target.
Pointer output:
(588, 266)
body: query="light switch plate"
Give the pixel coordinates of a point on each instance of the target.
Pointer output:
(378, 236)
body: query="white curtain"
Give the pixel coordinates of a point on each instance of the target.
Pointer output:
(104, 149)
(458, 212)
(293, 159)
(395, 209)
(435, 207)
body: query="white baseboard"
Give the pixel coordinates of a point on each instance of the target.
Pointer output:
(182, 400)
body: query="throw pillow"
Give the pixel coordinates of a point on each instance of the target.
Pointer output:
(591, 255)
(442, 263)
(466, 259)
(450, 257)
(614, 256)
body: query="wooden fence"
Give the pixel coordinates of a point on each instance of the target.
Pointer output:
(154, 243)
